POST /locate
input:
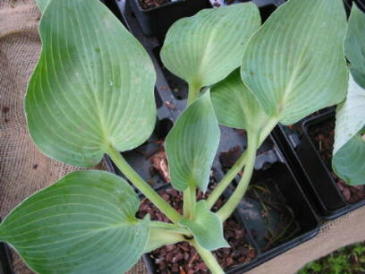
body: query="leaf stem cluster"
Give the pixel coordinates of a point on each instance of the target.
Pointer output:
(163, 233)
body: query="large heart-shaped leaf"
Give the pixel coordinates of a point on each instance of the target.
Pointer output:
(93, 85)
(85, 223)
(295, 63)
(236, 106)
(206, 227)
(355, 44)
(349, 150)
(191, 145)
(205, 48)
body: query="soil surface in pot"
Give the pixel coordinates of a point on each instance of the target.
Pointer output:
(323, 136)
(181, 257)
(148, 4)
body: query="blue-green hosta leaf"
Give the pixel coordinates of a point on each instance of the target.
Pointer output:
(349, 150)
(235, 105)
(355, 44)
(205, 48)
(85, 223)
(191, 145)
(349, 162)
(93, 85)
(206, 227)
(295, 63)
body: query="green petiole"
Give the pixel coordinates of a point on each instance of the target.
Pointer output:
(145, 188)
(226, 180)
(189, 202)
(239, 192)
(208, 258)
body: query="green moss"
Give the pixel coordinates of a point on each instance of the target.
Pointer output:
(347, 260)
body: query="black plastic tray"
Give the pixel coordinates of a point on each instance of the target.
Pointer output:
(156, 21)
(349, 3)
(316, 176)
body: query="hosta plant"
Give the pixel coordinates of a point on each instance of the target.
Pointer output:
(92, 93)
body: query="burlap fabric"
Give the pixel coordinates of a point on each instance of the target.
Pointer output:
(24, 170)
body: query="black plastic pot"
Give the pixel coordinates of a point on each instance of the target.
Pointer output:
(284, 187)
(156, 21)
(5, 261)
(359, 3)
(273, 173)
(317, 179)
